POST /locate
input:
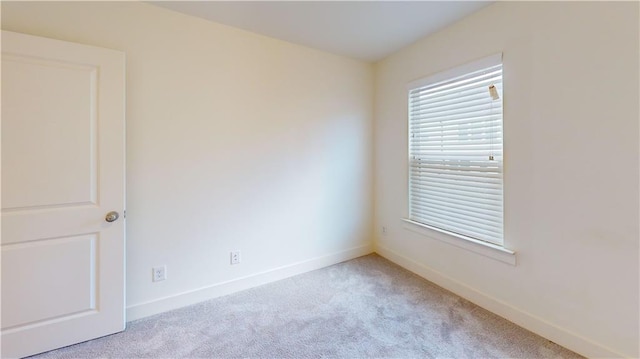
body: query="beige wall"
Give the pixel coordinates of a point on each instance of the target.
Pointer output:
(571, 169)
(234, 142)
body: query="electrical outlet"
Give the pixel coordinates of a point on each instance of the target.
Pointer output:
(384, 231)
(235, 257)
(159, 273)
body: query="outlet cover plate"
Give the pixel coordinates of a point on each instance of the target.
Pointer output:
(159, 273)
(235, 257)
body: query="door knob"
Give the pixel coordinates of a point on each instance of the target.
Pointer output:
(112, 216)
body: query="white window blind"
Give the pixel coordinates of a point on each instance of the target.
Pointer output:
(455, 151)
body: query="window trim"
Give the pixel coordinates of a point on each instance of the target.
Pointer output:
(487, 249)
(492, 250)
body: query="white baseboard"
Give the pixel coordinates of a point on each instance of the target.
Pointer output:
(179, 300)
(528, 321)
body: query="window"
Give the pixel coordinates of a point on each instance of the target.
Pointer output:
(455, 151)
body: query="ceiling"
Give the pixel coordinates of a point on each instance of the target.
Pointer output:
(365, 30)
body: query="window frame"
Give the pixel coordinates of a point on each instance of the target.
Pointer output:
(460, 240)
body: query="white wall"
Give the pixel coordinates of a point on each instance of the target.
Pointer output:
(571, 169)
(235, 141)
(571, 145)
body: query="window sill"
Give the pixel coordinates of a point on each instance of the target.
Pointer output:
(483, 248)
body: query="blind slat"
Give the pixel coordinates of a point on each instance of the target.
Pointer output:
(467, 191)
(458, 84)
(458, 225)
(459, 122)
(476, 202)
(483, 218)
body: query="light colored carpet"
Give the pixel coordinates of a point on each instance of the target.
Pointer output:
(364, 308)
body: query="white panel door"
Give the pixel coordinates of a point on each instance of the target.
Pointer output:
(62, 173)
